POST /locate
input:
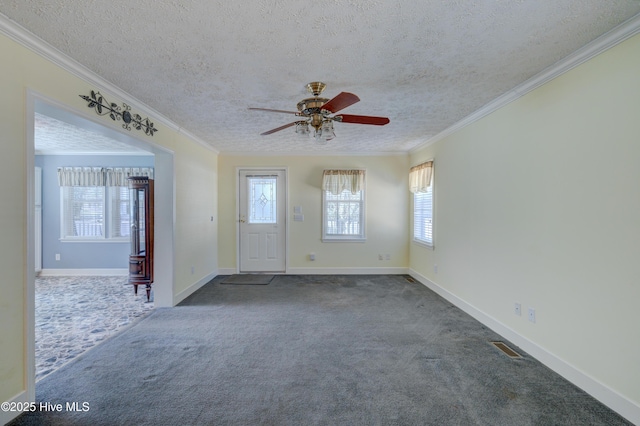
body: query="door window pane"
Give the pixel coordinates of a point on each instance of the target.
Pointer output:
(262, 199)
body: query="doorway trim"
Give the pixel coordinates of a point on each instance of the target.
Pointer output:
(164, 267)
(283, 169)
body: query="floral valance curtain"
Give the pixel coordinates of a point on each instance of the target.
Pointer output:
(100, 176)
(420, 177)
(336, 181)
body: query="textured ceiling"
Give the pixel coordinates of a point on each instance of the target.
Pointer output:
(424, 64)
(53, 136)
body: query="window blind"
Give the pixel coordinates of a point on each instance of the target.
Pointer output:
(420, 184)
(423, 217)
(119, 209)
(83, 212)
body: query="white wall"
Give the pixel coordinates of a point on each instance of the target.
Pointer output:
(13, 217)
(191, 235)
(538, 203)
(386, 210)
(196, 227)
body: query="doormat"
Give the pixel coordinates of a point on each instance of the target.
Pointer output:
(247, 279)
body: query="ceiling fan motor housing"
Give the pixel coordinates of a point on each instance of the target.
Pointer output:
(311, 106)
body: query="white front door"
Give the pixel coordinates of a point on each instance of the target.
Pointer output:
(262, 216)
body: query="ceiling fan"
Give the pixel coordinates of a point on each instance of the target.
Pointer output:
(316, 112)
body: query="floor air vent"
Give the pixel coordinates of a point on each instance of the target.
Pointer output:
(411, 280)
(507, 350)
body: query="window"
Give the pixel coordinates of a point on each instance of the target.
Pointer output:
(421, 185)
(83, 212)
(423, 217)
(343, 205)
(120, 209)
(86, 214)
(95, 202)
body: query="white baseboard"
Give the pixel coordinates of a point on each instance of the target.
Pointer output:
(595, 388)
(347, 271)
(177, 298)
(104, 272)
(7, 416)
(332, 271)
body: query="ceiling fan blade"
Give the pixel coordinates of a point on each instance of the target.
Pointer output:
(277, 129)
(273, 110)
(341, 101)
(362, 119)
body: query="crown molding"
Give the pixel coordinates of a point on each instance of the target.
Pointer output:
(24, 37)
(94, 153)
(608, 40)
(314, 154)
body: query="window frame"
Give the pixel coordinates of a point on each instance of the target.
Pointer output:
(109, 206)
(362, 236)
(430, 244)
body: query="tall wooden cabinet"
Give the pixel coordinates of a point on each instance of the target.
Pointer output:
(141, 257)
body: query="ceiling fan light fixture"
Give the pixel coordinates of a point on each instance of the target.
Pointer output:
(302, 128)
(327, 130)
(319, 137)
(324, 133)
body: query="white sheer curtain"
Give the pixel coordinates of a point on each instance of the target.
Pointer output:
(420, 177)
(336, 181)
(117, 176)
(81, 176)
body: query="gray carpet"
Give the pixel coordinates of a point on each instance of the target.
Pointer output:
(252, 279)
(312, 350)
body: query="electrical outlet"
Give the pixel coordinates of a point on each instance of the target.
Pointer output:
(193, 270)
(435, 269)
(387, 257)
(532, 315)
(379, 257)
(517, 309)
(57, 256)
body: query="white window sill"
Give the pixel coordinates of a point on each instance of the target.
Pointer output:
(423, 244)
(94, 240)
(344, 240)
